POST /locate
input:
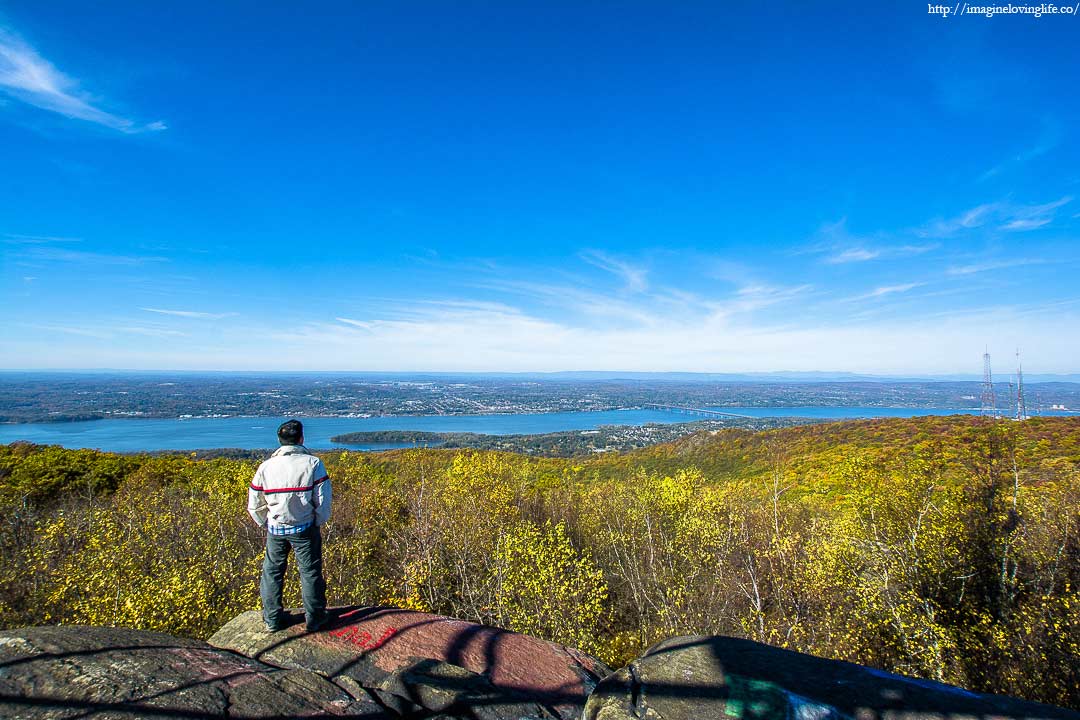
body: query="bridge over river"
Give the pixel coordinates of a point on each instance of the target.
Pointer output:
(695, 410)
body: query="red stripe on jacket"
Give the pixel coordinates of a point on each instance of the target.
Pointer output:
(324, 478)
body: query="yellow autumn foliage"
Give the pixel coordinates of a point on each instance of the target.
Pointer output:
(944, 548)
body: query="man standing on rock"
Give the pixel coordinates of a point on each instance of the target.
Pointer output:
(290, 497)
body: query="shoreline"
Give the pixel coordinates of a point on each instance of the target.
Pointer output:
(625, 408)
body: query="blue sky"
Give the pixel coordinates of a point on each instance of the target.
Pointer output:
(537, 186)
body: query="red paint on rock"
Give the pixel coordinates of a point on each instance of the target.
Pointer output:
(362, 638)
(390, 637)
(214, 665)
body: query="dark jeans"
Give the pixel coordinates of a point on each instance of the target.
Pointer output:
(308, 549)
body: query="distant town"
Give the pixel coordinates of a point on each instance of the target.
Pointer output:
(63, 397)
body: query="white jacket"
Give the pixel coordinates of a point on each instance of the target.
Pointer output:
(291, 488)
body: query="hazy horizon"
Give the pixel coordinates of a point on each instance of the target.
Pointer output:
(1003, 375)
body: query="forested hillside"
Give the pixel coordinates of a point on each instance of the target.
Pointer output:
(942, 547)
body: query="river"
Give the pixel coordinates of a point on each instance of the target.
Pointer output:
(135, 434)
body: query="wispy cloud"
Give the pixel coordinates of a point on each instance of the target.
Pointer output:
(973, 218)
(1049, 138)
(1032, 217)
(887, 290)
(665, 329)
(68, 330)
(583, 310)
(754, 297)
(1027, 223)
(362, 324)
(951, 343)
(840, 247)
(151, 331)
(852, 255)
(576, 300)
(404, 314)
(1002, 215)
(13, 239)
(634, 278)
(40, 252)
(478, 305)
(48, 253)
(30, 78)
(195, 314)
(523, 341)
(993, 265)
(862, 254)
(107, 332)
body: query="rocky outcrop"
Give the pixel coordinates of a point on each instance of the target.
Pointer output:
(366, 663)
(384, 663)
(689, 678)
(415, 662)
(69, 672)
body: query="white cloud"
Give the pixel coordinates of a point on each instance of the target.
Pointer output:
(634, 278)
(1002, 215)
(55, 254)
(665, 332)
(886, 290)
(993, 265)
(152, 332)
(1049, 138)
(973, 218)
(81, 331)
(741, 324)
(842, 247)
(1027, 224)
(751, 298)
(189, 313)
(852, 255)
(579, 302)
(107, 332)
(13, 239)
(890, 289)
(363, 325)
(467, 305)
(1032, 217)
(457, 333)
(952, 342)
(717, 343)
(26, 76)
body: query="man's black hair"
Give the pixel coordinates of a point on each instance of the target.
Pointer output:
(291, 432)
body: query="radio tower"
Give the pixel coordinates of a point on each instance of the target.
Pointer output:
(1021, 407)
(989, 402)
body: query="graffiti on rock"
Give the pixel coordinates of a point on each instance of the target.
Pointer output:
(362, 638)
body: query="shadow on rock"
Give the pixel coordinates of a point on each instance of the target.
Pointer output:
(62, 672)
(695, 677)
(414, 662)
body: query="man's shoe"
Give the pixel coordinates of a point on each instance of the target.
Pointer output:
(317, 625)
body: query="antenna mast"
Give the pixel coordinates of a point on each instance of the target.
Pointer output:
(1021, 406)
(989, 402)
